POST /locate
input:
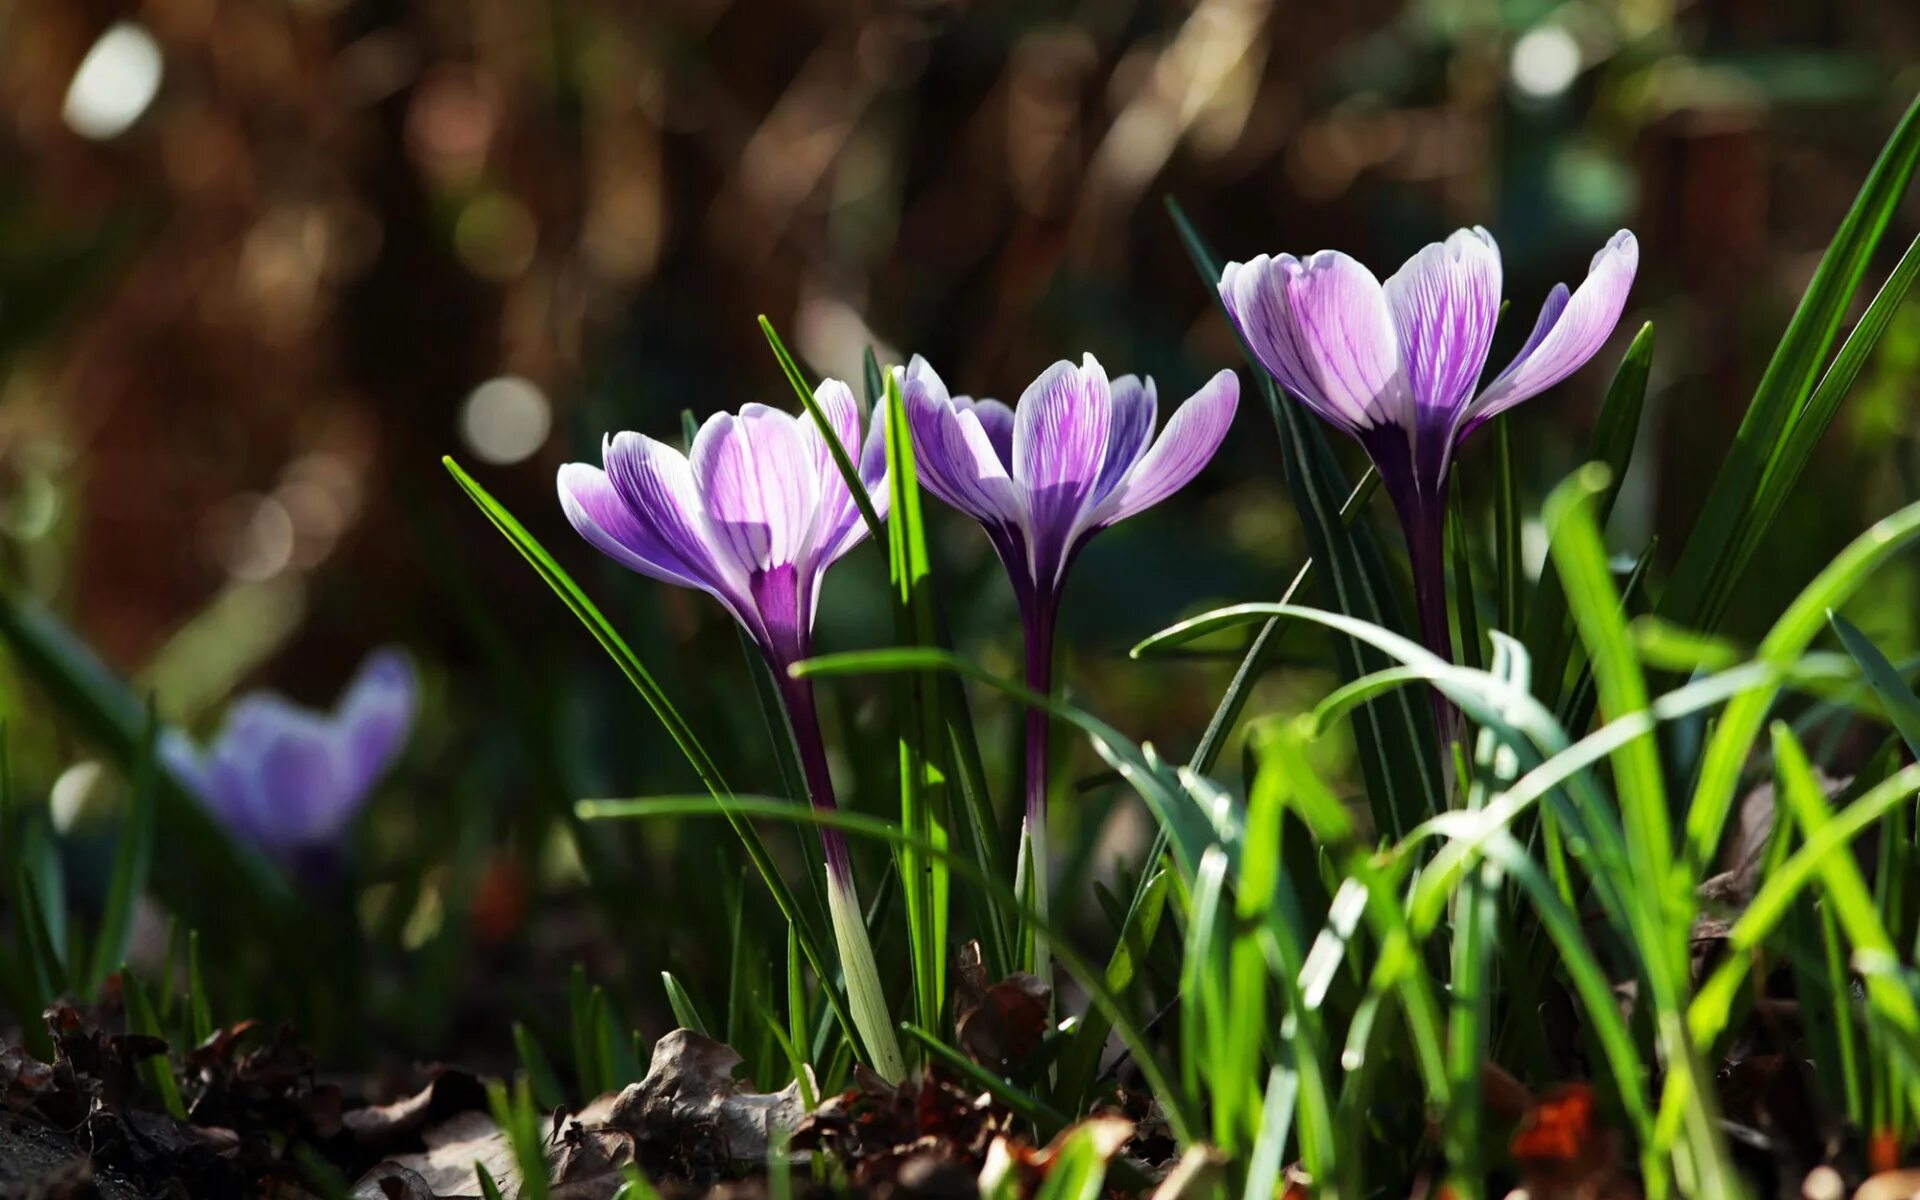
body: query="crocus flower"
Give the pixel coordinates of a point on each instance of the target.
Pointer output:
(289, 780)
(1397, 366)
(754, 516)
(1075, 455)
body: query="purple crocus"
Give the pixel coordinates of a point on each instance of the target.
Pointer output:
(754, 516)
(1075, 455)
(289, 780)
(1396, 366)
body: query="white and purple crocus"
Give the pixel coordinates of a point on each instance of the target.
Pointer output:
(288, 780)
(753, 516)
(1075, 455)
(1397, 366)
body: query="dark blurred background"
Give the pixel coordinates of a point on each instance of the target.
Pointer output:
(262, 262)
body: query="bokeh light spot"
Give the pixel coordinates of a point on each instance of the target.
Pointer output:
(1545, 62)
(505, 420)
(116, 82)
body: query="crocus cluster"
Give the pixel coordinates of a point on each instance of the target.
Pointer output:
(288, 780)
(1076, 454)
(1397, 366)
(754, 515)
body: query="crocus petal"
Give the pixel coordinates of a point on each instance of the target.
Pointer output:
(303, 795)
(640, 511)
(957, 461)
(1444, 303)
(1322, 327)
(1571, 329)
(375, 715)
(1060, 429)
(757, 485)
(1187, 444)
(1135, 408)
(996, 420)
(838, 524)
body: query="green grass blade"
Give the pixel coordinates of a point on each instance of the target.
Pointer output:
(1896, 697)
(1549, 630)
(1509, 574)
(156, 1071)
(921, 737)
(1399, 751)
(132, 861)
(1179, 1118)
(538, 1069)
(849, 470)
(684, 1009)
(1727, 751)
(1030, 1107)
(677, 728)
(1712, 563)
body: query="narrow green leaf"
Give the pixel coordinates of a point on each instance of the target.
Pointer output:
(538, 1069)
(1713, 561)
(1896, 697)
(1549, 633)
(1399, 750)
(156, 1071)
(682, 734)
(132, 859)
(684, 1009)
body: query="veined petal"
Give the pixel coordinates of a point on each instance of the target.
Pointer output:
(1192, 436)
(1060, 429)
(838, 524)
(1444, 303)
(956, 457)
(375, 715)
(996, 420)
(276, 774)
(758, 487)
(1571, 329)
(640, 511)
(1135, 408)
(1321, 326)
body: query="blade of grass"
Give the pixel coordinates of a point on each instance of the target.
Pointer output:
(132, 860)
(155, 1070)
(682, 734)
(1549, 631)
(1713, 561)
(1398, 749)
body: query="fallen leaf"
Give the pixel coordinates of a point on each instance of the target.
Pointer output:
(1565, 1152)
(689, 1113)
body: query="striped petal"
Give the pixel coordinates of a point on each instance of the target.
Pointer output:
(1444, 302)
(1321, 326)
(758, 487)
(1570, 330)
(1060, 429)
(957, 459)
(1192, 436)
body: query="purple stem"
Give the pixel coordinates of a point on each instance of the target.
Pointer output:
(797, 695)
(1424, 520)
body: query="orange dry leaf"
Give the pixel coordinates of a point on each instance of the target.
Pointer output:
(1565, 1152)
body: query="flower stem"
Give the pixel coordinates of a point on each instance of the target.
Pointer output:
(1033, 829)
(1425, 522)
(864, 994)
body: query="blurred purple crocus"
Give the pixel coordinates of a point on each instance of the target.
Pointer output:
(754, 516)
(1397, 366)
(289, 780)
(1075, 455)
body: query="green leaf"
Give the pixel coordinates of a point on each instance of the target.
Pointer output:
(677, 728)
(860, 825)
(1902, 706)
(156, 1071)
(684, 1009)
(538, 1069)
(1399, 752)
(1716, 555)
(1549, 633)
(132, 860)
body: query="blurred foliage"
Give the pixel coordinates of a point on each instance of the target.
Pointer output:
(236, 337)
